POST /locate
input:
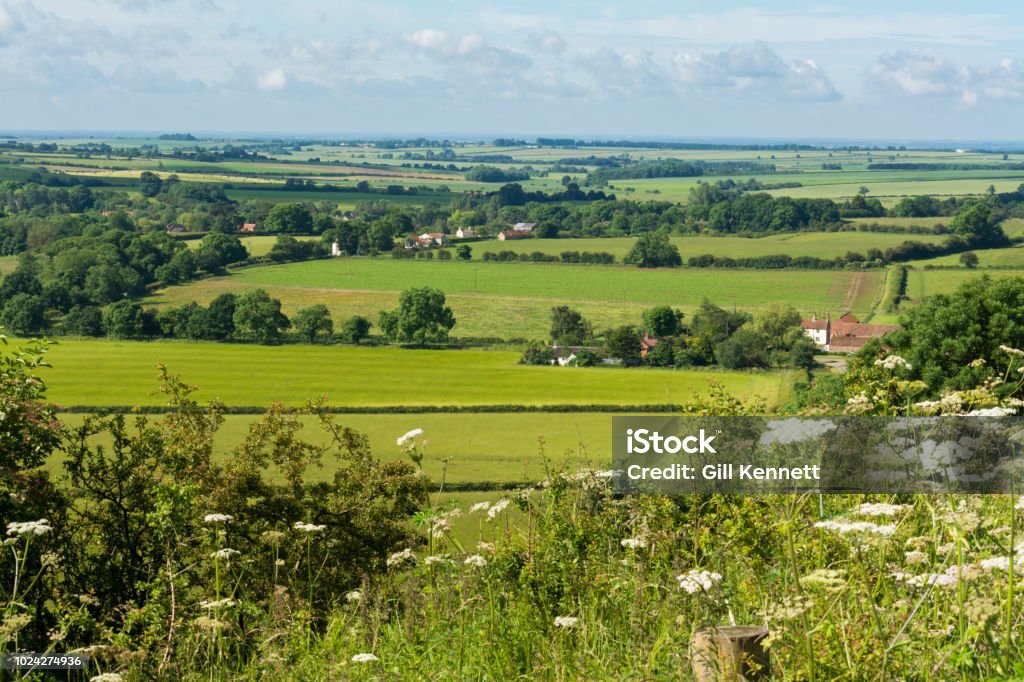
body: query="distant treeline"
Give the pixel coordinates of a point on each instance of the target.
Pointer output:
(945, 166)
(577, 257)
(676, 168)
(570, 142)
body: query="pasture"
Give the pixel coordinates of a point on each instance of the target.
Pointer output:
(98, 373)
(816, 244)
(921, 283)
(513, 300)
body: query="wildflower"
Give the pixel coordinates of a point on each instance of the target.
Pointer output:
(695, 581)
(19, 528)
(992, 412)
(893, 362)
(634, 543)
(978, 362)
(207, 623)
(475, 560)
(497, 508)
(106, 677)
(353, 596)
(882, 509)
(843, 527)
(1020, 504)
(408, 436)
(364, 658)
(915, 557)
(1012, 351)
(399, 558)
(436, 559)
(827, 579)
(795, 430)
(479, 506)
(218, 518)
(999, 563)
(308, 527)
(219, 604)
(788, 608)
(566, 622)
(485, 546)
(227, 553)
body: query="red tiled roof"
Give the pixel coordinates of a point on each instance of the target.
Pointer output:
(814, 324)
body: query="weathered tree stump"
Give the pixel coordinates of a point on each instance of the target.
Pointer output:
(730, 654)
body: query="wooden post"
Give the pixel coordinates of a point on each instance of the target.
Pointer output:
(730, 654)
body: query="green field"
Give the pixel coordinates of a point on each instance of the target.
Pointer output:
(816, 244)
(7, 264)
(100, 372)
(463, 448)
(921, 283)
(514, 300)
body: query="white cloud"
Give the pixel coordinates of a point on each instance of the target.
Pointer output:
(429, 39)
(925, 74)
(548, 42)
(274, 79)
(756, 67)
(628, 73)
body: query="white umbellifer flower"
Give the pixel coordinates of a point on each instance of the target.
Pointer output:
(107, 677)
(364, 658)
(399, 558)
(218, 518)
(893, 362)
(795, 430)
(634, 543)
(828, 579)
(408, 436)
(566, 622)
(476, 561)
(19, 528)
(227, 553)
(696, 580)
(435, 559)
(354, 595)
(485, 546)
(950, 578)
(497, 507)
(479, 506)
(915, 557)
(1020, 504)
(1012, 351)
(843, 527)
(308, 527)
(999, 563)
(992, 412)
(882, 509)
(219, 604)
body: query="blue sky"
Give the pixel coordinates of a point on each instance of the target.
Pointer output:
(880, 70)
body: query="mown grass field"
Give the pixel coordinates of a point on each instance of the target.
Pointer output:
(461, 448)
(816, 244)
(921, 283)
(514, 300)
(101, 373)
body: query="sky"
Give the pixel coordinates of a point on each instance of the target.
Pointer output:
(898, 71)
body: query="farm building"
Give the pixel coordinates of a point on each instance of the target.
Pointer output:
(465, 233)
(509, 234)
(176, 229)
(846, 335)
(247, 227)
(647, 344)
(524, 227)
(431, 238)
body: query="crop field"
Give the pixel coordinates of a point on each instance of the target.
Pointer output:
(99, 372)
(462, 448)
(513, 300)
(816, 244)
(1009, 257)
(921, 283)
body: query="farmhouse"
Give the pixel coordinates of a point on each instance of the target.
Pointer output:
(509, 234)
(247, 227)
(565, 356)
(846, 335)
(176, 229)
(647, 344)
(524, 227)
(465, 233)
(431, 238)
